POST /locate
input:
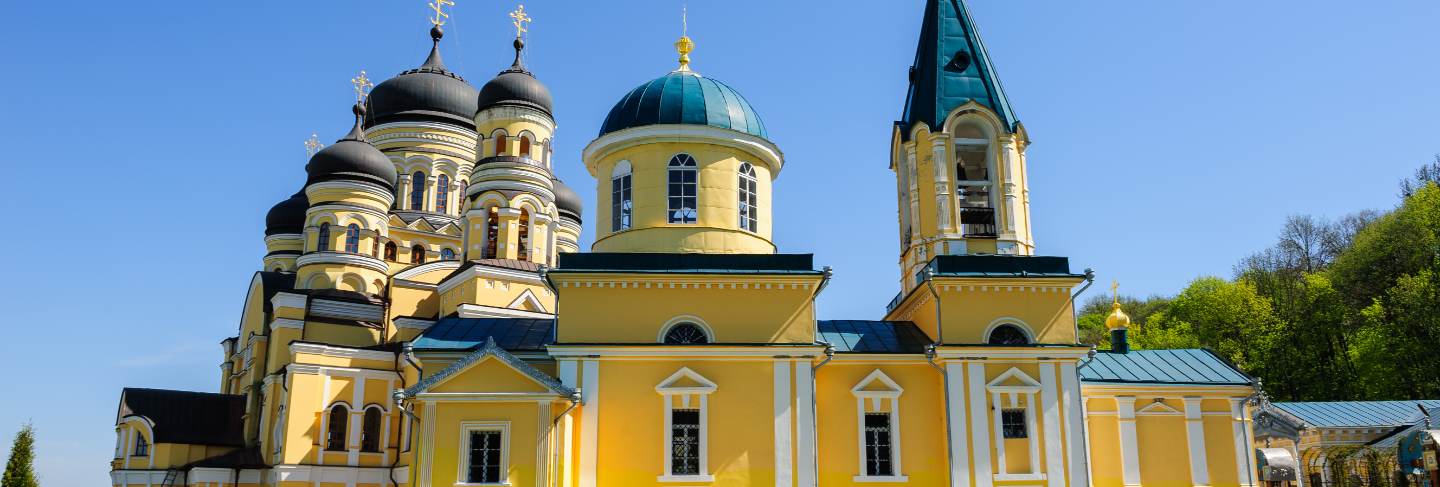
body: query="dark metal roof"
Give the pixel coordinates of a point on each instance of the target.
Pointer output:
(272, 283)
(516, 87)
(568, 201)
(687, 263)
(864, 336)
(193, 418)
(1356, 413)
(951, 68)
(1001, 266)
(287, 216)
(427, 93)
(514, 334)
(684, 97)
(1181, 366)
(352, 159)
(242, 458)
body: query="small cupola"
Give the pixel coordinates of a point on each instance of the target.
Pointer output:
(352, 158)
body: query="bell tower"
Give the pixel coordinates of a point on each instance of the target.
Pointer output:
(958, 151)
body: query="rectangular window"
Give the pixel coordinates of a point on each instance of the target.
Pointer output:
(682, 192)
(685, 442)
(878, 459)
(1012, 423)
(486, 465)
(620, 203)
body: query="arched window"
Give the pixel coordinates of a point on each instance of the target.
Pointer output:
(442, 193)
(447, 254)
(322, 239)
(972, 181)
(620, 202)
(525, 147)
(682, 189)
(390, 251)
(417, 191)
(524, 252)
(686, 334)
(375, 246)
(500, 144)
(749, 216)
(417, 254)
(492, 234)
(370, 430)
(335, 427)
(142, 448)
(1008, 335)
(352, 238)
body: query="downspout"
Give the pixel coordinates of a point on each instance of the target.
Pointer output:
(555, 423)
(826, 273)
(1084, 430)
(1075, 312)
(399, 404)
(408, 350)
(930, 353)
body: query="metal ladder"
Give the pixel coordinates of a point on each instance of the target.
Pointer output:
(170, 477)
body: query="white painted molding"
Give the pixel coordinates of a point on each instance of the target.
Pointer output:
(589, 423)
(1031, 354)
(496, 273)
(342, 258)
(783, 423)
(1008, 320)
(668, 387)
(482, 311)
(1050, 409)
(413, 323)
(341, 352)
(692, 319)
(288, 300)
(438, 265)
(979, 427)
(287, 323)
(1195, 436)
(609, 143)
(527, 298)
(464, 464)
(690, 352)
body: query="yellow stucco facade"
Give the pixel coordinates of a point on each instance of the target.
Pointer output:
(425, 316)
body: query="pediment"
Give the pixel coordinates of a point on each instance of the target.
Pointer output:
(877, 384)
(685, 381)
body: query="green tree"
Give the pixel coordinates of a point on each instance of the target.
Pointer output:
(1092, 315)
(1227, 317)
(20, 469)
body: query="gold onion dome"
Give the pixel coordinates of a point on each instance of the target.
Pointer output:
(1117, 319)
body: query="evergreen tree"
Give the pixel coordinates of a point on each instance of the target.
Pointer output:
(20, 469)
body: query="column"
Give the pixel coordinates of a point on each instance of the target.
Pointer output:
(959, 448)
(1195, 434)
(805, 470)
(979, 429)
(508, 244)
(784, 468)
(941, 164)
(569, 375)
(589, 422)
(1076, 448)
(1050, 405)
(1242, 443)
(402, 192)
(1129, 444)
(912, 171)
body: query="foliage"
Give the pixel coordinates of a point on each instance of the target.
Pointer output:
(20, 468)
(1347, 309)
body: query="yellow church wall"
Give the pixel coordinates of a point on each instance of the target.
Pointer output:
(1045, 314)
(408, 301)
(717, 228)
(771, 309)
(490, 375)
(1105, 457)
(1168, 465)
(339, 276)
(345, 335)
(923, 456)
(252, 319)
(494, 292)
(1220, 450)
(522, 419)
(513, 127)
(740, 425)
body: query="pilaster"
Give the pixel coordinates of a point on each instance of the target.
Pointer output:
(1195, 435)
(1129, 442)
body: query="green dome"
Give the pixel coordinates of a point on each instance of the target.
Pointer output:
(683, 97)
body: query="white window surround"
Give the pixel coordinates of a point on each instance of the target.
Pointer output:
(464, 453)
(870, 399)
(998, 389)
(691, 319)
(1007, 320)
(670, 391)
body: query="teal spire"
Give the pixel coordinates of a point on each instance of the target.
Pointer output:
(951, 68)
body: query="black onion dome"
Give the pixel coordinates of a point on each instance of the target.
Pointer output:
(516, 87)
(352, 159)
(568, 201)
(427, 93)
(287, 216)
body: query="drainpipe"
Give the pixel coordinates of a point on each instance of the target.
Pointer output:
(930, 353)
(1075, 312)
(574, 399)
(408, 350)
(826, 274)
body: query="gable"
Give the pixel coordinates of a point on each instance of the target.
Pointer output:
(489, 375)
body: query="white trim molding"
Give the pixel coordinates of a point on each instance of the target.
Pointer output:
(691, 319)
(463, 462)
(482, 311)
(1002, 397)
(340, 352)
(609, 143)
(877, 393)
(694, 396)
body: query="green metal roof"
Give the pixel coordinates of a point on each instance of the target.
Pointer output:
(951, 68)
(1356, 414)
(1180, 366)
(684, 97)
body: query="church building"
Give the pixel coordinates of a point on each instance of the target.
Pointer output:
(424, 315)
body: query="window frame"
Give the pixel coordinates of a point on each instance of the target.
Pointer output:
(622, 202)
(462, 477)
(377, 435)
(330, 431)
(322, 238)
(688, 397)
(442, 193)
(141, 448)
(884, 399)
(748, 199)
(352, 238)
(447, 254)
(418, 254)
(417, 190)
(682, 164)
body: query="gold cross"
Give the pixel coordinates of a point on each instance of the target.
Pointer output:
(313, 145)
(520, 20)
(439, 7)
(1115, 290)
(362, 85)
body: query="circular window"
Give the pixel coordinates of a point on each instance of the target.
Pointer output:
(1008, 335)
(686, 334)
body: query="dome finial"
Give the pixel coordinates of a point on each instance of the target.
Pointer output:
(362, 86)
(521, 20)
(684, 46)
(312, 145)
(358, 131)
(1117, 320)
(434, 62)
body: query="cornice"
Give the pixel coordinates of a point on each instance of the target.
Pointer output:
(342, 258)
(484, 271)
(340, 352)
(609, 143)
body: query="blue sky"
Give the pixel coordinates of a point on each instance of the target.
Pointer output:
(1170, 139)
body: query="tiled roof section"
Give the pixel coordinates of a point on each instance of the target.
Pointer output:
(193, 418)
(1181, 366)
(687, 263)
(513, 334)
(1346, 414)
(862, 336)
(511, 264)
